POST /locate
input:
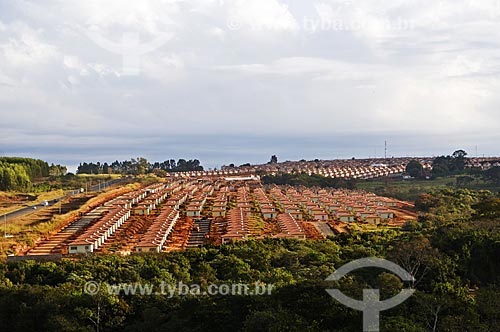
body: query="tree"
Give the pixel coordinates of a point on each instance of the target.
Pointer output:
(493, 174)
(454, 164)
(459, 154)
(415, 169)
(141, 166)
(274, 159)
(488, 303)
(57, 170)
(415, 256)
(459, 159)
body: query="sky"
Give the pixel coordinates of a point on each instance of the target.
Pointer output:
(233, 81)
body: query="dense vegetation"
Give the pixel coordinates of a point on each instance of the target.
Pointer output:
(18, 173)
(304, 179)
(140, 166)
(446, 165)
(453, 252)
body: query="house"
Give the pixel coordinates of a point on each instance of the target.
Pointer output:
(193, 210)
(319, 214)
(81, 247)
(297, 214)
(148, 246)
(269, 213)
(345, 217)
(142, 210)
(385, 214)
(372, 219)
(218, 211)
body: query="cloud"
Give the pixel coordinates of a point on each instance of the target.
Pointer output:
(261, 15)
(247, 69)
(26, 47)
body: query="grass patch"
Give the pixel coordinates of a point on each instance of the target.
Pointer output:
(409, 190)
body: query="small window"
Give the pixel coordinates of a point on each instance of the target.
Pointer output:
(152, 249)
(73, 248)
(86, 247)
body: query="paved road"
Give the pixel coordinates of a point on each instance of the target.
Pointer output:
(30, 209)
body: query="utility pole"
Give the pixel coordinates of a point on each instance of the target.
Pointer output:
(385, 150)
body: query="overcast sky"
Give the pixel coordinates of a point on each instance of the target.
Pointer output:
(236, 81)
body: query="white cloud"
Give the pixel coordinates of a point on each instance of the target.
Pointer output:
(6, 81)
(26, 47)
(261, 15)
(263, 67)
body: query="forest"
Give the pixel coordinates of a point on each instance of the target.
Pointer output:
(138, 166)
(452, 251)
(18, 173)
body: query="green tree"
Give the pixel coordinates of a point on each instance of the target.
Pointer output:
(493, 174)
(415, 169)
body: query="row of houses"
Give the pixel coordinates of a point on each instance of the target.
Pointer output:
(195, 206)
(156, 235)
(308, 201)
(482, 163)
(345, 168)
(118, 211)
(324, 205)
(286, 204)
(220, 203)
(349, 206)
(290, 227)
(237, 225)
(155, 197)
(99, 232)
(266, 206)
(243, 199)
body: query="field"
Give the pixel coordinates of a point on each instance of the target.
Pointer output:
(410, 189)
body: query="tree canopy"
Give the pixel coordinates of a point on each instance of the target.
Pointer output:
(415, 169)
(139, 166)
(446, 165)
(17, 174)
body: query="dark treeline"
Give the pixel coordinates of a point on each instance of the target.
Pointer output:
(18, 173)
(441, 166)
(447, 165)
(140, 166)
(454, 164)
(304, 179)
(452, 252)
